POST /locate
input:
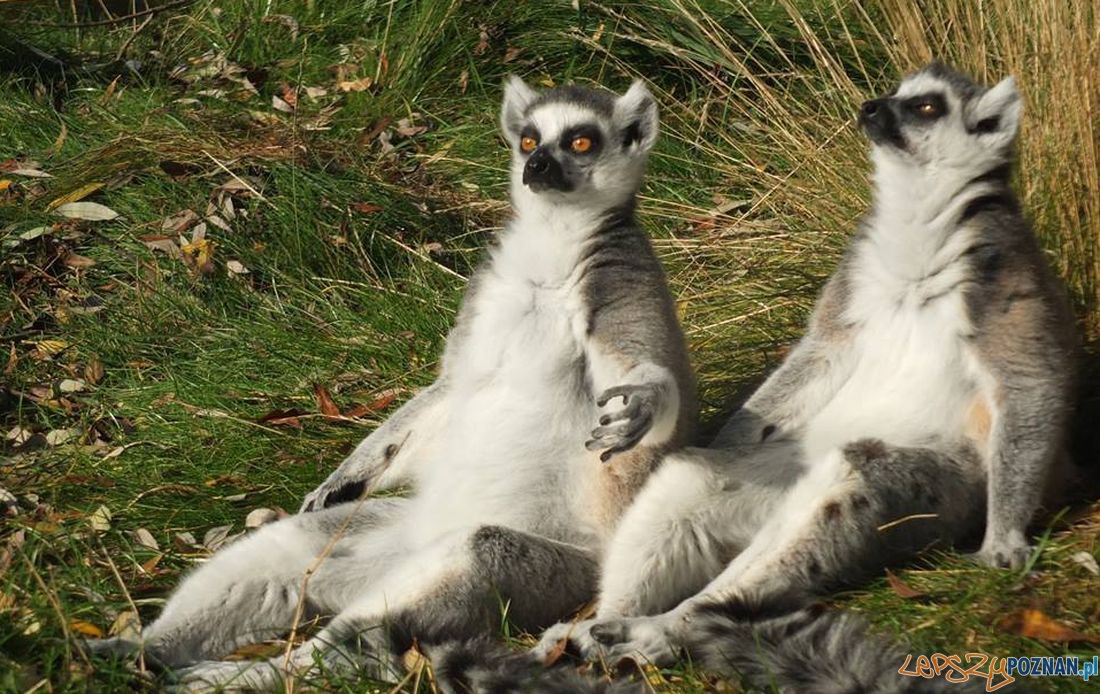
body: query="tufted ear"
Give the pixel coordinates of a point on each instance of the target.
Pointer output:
(517, 97)
(995, 115)
(636, 117)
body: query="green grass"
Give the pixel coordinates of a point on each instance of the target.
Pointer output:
(356, 256)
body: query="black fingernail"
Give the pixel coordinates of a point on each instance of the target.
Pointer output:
(605, 420)
(605, 456)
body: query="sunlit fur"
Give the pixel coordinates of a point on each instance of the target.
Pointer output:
(563, 381)
(926, 403)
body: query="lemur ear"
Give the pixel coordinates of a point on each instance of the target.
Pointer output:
(517, 97)
(995, 115)
(636, 117)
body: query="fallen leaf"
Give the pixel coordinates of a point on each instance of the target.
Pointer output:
(30, 173)
(366, 207)
(100, 520)
(74, 260)
(181, 220)
(163, 244)
(5, 183)
(325, 402)
(60, 436)
(289, 95)
(49, 348)
(901, 588)
(91, 211)
(260, 516)
(150, 565)
(284, 418)
(127, 625)
(236, 267)
(19, 435)
(1086, 561)
(34, 233)
(13, 360)
(215, 537)
(256, 651)
(145, 538)
(71, 385)
(186, 539)
(511, 54)
(1035, 624)
(316, 92)
(280, 105)
(359, 85)
(93, 372)
(85, 628)
(198, 255)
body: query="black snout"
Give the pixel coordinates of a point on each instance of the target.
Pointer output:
(879, 120)
(544, 172)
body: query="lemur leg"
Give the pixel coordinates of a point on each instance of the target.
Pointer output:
(457, 587)
(694, 515)
(853, 511)
(390, 456)
(250, 591)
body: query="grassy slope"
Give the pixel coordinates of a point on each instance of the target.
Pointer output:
(359, 299)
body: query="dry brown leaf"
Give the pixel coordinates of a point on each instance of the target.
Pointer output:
(366, 207)
(145, 538)
(289, 94)
(325, 403)
(93, 372)
(150, 566)
(127, 625)
(13, 360)
(100, 520)
(74, 260)
(1036, 624)
(360, 85)
(283, 418)
(901, 588)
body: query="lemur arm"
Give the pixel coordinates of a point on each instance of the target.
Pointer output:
(388, 458)
(1026, 345)
(805, 381)
(636, 354)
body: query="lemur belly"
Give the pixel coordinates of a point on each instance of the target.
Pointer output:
(524, 415)
(914, 379)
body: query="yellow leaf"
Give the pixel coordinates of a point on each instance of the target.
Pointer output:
(86, 628)
(50, 348)
(72, 196)
(5, 184)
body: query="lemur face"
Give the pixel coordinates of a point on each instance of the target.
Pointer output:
(577, 145)
(939, 118)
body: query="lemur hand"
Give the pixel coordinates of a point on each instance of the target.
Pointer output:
(622, 430)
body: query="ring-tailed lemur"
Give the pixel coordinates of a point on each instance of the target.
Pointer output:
(520, 455)
(933, 387)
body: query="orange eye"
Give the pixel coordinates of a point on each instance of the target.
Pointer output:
(927, 109)
(581, 145)
(528, 144)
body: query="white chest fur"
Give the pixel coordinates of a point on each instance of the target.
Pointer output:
(912, 373)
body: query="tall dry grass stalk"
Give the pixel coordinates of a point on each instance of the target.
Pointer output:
(774, 116)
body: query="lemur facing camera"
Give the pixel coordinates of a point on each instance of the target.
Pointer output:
(520, 456)
(932, 388)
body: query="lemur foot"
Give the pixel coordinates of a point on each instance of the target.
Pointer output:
(641, 640)
(622, 430)
(113, 647)
(1007, 553)
(637, 639)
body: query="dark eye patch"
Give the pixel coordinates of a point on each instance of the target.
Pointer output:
(587, 130)
(530, 131)
(926, 107)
